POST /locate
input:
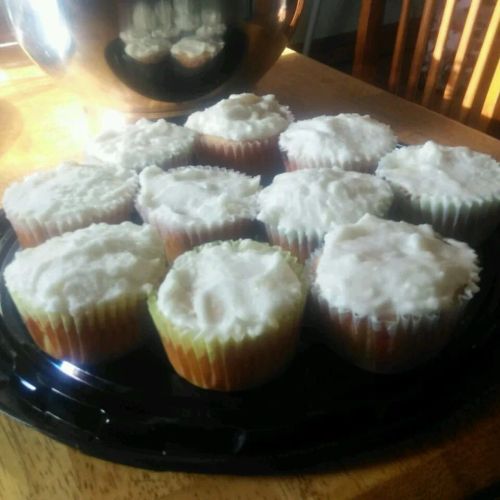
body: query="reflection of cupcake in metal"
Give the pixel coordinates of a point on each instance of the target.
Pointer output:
(193, 52)
(212, 24)
(187, 15)
(148, 38)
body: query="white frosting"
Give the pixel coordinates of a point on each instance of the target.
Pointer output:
(141, 144)
(90, 266)
(192, 195)
(342, 140)
(230, 290)
(148, 48)
(68, 190)
(447, 172)
(193, 47)
(242, 117)
(143, 17)
(385, 268)
(211, 30)
(310, 201)
(187, 14)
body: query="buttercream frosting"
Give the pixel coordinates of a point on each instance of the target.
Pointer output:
(242, 117)
(386, 268)
(148, 48)
(69, 190)
(342, 140)
(191, 195)
(141, 144)
(94, 265)
(309, 201)
(442, 171)
(230, 290)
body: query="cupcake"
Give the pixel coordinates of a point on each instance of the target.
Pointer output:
(349, 141)
(299, 207)
(241, 132)
(69, 197)
(455, 189)
(148, 49)
(390, 294)
(193, 205)
(82, 295)
(229, 313)
(144, 143)
(192, 52)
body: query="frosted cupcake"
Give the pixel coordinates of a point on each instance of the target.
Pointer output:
(349, 141)
(241, 132)
(299, 207)
(229, 313)
(193, 52)
(69, 197)
(82, 295)
(193, 205)
(455, 189)
(144, 143)
(389, 293)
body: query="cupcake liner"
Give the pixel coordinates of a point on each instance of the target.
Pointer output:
(250, 157)
(229, 365)
(177, 240)
(93, 335)
(298, 244)
(383, 345)
(470, 222)
(292, 164)
(32, 231)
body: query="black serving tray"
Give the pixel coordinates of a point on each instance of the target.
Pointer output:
(136, 410)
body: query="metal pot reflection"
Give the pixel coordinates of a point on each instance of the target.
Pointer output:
(154, 57)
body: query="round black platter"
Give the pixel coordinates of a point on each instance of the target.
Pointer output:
(136, 410)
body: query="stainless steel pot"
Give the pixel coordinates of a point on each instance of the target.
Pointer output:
(154, 57)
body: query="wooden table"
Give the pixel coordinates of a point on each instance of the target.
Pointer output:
(34, 133)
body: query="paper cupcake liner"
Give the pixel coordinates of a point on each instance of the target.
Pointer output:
(382, 345)
(32, 232)
(96, 334)
(298, 244)
(180, 160)
(250, 157)
(177, 240)
(471, 222)
(293, 164)
(232, 364)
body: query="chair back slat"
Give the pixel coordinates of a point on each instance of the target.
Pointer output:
(488, 48)
(458, 65)
(438, 52)
(399, 48)
(491, 106)
(420, 48)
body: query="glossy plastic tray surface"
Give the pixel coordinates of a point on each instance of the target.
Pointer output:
(137, 411)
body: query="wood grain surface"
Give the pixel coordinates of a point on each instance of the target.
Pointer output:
(42, 125)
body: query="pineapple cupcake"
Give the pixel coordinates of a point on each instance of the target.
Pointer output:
(229, 313)
(390, 294)
(192, 205)
(49, 203)
(82, 295)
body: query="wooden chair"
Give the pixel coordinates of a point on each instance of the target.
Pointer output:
(461, 80)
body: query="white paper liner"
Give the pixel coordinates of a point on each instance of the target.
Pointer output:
(95, 334)
(470, 222)
(31, 232)
(252, 157)
(382, 345)
(299, 244)
(226, 364)
(292, 164)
